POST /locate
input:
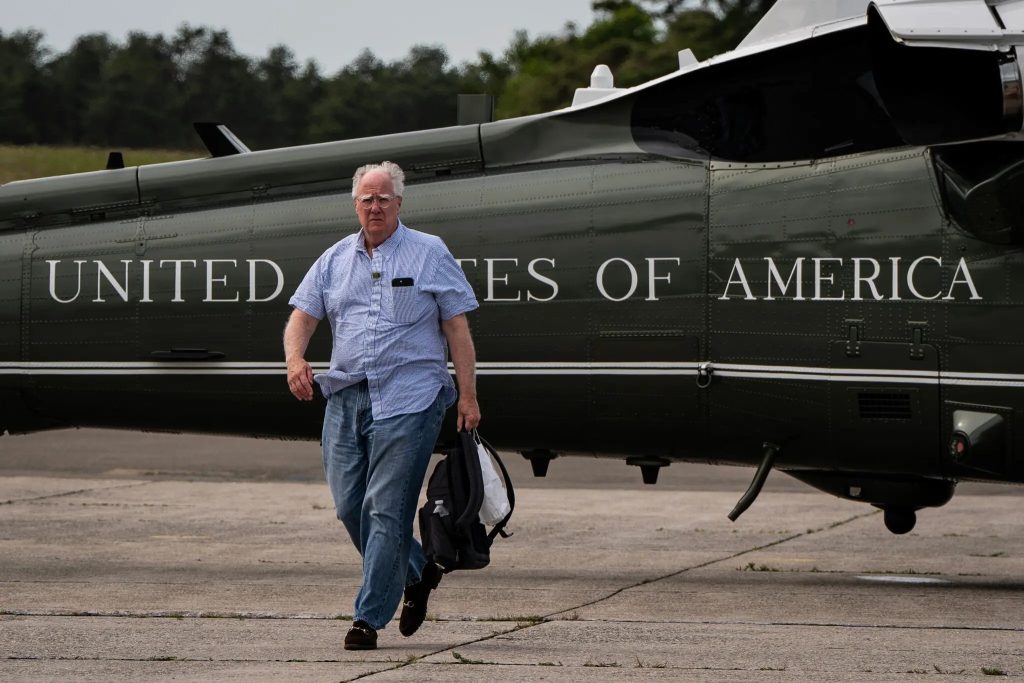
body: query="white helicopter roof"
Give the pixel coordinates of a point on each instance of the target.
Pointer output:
(970, 24)
(788, 21)
(964, 24)
(788, 18)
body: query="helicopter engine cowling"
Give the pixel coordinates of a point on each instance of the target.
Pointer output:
(942, 94)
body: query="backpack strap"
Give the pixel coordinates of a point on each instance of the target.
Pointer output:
(499, 528)
(474, 482)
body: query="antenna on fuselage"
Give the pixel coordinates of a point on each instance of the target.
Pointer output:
(602, 84)
(219, 139)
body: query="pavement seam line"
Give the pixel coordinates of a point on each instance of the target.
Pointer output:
(811, 624)
(172, 614)
(187, 660)
(64, 494)
(545, 618)
(524, 623)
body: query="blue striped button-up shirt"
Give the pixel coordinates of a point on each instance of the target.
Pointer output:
(385, 313)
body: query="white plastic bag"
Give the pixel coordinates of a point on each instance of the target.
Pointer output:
(495, 505)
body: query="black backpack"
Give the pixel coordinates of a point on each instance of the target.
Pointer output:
(450, 528)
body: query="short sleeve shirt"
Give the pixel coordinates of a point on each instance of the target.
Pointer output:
(385, 313)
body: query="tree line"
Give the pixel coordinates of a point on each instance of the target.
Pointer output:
(147, 90)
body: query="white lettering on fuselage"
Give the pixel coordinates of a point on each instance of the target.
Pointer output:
(500, 283)
(865, 276)
(634, 276)
(218, 272)
(518, 280)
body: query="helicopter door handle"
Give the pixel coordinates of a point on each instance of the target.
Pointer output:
(705, 373)
(187, 354)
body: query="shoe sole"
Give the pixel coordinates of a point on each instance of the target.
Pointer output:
(360, 647)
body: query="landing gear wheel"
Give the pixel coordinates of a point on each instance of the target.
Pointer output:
(900, 520)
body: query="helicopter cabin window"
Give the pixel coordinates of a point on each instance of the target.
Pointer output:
(811, 100)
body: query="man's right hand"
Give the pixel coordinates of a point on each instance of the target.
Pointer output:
(297, 334)
(300, 379)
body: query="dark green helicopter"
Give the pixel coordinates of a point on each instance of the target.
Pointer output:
(805, 253)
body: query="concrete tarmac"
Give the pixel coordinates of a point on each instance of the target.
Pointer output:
(231, 566)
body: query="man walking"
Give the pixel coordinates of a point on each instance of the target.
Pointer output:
(393, 297)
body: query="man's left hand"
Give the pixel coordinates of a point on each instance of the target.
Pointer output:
(469, 414)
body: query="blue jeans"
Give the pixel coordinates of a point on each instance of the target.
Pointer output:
(375, 469)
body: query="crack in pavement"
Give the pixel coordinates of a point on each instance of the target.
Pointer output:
(173, 614)
(703, 565)
(14, 501)
(549, 617)
(16, 658)
(402, 665)
(235, 584)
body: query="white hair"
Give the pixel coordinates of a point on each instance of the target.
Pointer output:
(389, 167)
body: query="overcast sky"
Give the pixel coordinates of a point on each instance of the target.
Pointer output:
(332, 32)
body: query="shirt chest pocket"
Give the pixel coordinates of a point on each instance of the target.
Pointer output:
(409, 304)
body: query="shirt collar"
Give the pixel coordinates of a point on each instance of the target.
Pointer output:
(388, 246)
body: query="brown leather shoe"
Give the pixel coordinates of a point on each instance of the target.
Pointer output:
(361, 637)
(414, 609)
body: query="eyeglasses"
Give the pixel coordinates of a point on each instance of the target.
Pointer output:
(383, 200)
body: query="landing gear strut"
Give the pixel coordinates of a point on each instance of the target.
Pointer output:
(900, 520)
